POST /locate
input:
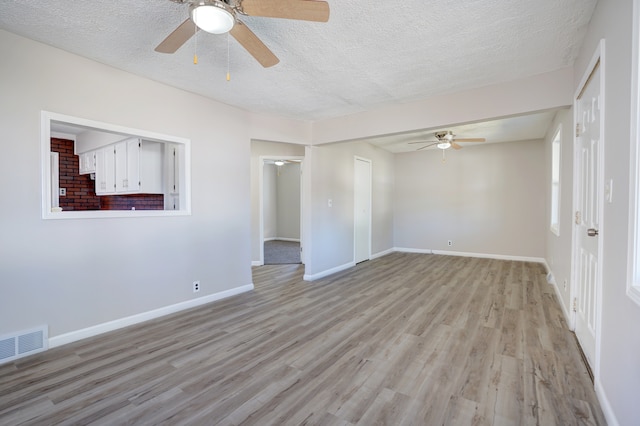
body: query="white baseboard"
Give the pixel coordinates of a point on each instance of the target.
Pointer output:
(490, 256)
(322, 274)
(382, 253)
(470, 254)
(95, 330)
(313, 277)
(295, 240)
(605, 405)
(256, 263)
(412, 250)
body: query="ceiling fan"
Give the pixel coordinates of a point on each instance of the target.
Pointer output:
(221, 16)
(445, 140)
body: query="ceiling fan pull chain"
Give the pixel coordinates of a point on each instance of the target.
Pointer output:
(443, 158)
(195, 45)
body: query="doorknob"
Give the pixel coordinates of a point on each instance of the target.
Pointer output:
(592, 232)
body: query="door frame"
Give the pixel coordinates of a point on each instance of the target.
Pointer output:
(598, 59)
(366, 160)
(261, 161)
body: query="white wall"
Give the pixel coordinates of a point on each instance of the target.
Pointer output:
(76, 273)
(487, 199)
(619, 364)
(332, 173)
(288, 197)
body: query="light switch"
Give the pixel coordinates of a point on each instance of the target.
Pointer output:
(330, 202)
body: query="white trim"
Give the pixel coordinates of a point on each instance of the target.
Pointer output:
(471, 254)
(313, 277)
(348, 265)
(597, 57)
(261, 160)
(490, 256)
(551, 279)
(565, 309)
(293, 240)
(605, 405)
(95, 330)
(257, 263)
(46, 117)
(633, 251)
(381, 253)
(412, 250)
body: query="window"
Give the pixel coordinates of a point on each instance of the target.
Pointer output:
(555, 182)
(92, 170)
(633, 262)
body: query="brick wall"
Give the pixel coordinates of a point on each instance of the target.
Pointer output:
(127, 202)
(81, 190)
(81, 194)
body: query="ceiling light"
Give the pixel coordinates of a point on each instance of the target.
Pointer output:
(279, 163)
(212, 16)
(444, 145)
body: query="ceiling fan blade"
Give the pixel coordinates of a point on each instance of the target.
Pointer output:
(178, 37)
(455, 145)
(470, 140)
(305, 10)
(426, 146)
(422, 142)
(253, 45)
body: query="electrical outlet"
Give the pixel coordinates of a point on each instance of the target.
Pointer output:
(63, 192)
(196, 286)
(449, 243)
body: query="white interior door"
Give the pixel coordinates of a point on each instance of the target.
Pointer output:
(587, 216)
(362, 210)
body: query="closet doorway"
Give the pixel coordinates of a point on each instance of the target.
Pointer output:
(281, 210)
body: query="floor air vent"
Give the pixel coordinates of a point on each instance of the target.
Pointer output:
(18, 345)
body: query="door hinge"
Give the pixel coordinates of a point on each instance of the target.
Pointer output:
(575, 304)
(577, 130)
(578, 217)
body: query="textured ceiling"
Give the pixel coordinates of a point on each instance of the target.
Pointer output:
(369, 54)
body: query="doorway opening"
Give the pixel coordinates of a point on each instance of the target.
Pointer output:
(281, 210)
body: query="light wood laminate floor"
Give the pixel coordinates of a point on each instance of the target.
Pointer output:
(407, 339)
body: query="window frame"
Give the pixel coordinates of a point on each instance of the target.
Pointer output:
(47, 118)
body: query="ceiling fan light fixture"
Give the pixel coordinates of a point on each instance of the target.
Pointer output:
(444, 145)
(212, 16)
(279, 163)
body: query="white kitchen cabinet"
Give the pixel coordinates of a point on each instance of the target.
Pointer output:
(87, 162)
(105, 171)
(131, 166)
